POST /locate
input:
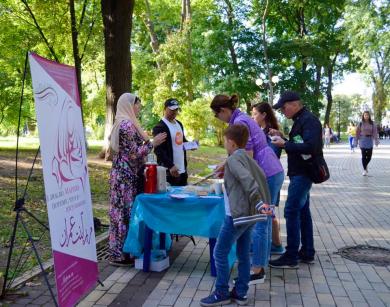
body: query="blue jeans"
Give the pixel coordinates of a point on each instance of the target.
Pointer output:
(298, 218)
(262, 232)
(228, 235)
(351, 140)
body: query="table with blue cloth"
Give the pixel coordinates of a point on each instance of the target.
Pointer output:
(154, 215)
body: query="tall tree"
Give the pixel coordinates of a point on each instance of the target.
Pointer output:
(369, 36)
(117, 21)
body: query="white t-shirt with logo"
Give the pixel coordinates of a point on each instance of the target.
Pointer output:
(177, 144)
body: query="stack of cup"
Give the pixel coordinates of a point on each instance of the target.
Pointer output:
(217, 186)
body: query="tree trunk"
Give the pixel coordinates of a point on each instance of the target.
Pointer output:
(317, 89)
(183, 13)
(153, 36)
(269, 72)
(233, 55)
(117, 20)
(186, 26)
(329, 87)
(232, 50)
(329, 94)
(302, 32)
(75, 45)
(379, 99)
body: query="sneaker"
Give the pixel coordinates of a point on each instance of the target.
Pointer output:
(239, 300)
(215, 299)
(305, 259)
(284, 262)
(255, 279)
(364, 173)
(277, 249)
(123, 263)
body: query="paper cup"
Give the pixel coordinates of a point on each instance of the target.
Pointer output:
(218, 188)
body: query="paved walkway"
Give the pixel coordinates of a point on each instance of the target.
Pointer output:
(349, 209)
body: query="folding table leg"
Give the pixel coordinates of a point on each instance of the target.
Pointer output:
(147, 248)
(213, 270)
(162, 240)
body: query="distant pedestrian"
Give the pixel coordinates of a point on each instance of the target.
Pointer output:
(305, 141)
(327, 135)
(366, 136)
(351, 136)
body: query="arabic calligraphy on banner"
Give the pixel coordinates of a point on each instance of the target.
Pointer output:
(65, 174)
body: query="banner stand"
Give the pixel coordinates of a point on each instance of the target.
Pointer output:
(20, 208)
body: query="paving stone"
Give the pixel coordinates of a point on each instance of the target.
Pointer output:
(183, 302)
(342, 301)
(188, 292)
(157, 294)
(106, 299)
(321, 288)
(310, 301)
(199, 294)
(385, 297)
(293, 299)
(164, 284)
(372, 298)
(86, 304)
(380, 287)
(325, 299)
(262, 295)
(168, 300)
(117, 288)
(94, 296)
(150, 303)
(337, 291)
(355, 296)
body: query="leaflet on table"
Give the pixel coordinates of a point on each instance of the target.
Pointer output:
(191, 145)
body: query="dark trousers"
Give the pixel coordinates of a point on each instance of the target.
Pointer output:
(366, 156)
(178, 181)
(299, 223)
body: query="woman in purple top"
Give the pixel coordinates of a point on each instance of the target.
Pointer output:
(366, 136)
(225, 109)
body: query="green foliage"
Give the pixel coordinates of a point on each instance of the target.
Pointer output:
(346, 109)
(369, 36)
(219, 50)
(20, 34)
(197, 118)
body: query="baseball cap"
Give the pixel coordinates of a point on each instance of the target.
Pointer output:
(286, 97)
(171, 104)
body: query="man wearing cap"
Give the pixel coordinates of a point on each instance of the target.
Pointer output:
(305, 140)
(171, 153)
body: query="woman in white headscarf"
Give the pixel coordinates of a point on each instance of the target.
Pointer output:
(130, 145)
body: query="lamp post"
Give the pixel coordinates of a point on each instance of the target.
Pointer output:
(260, 82)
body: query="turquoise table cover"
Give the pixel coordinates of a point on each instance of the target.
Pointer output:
(195, 216)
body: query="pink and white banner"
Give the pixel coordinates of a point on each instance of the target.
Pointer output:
(65, 174)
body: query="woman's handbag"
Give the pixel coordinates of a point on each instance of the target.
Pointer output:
(318, 169)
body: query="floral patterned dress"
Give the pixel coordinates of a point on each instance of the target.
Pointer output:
(124, 177)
